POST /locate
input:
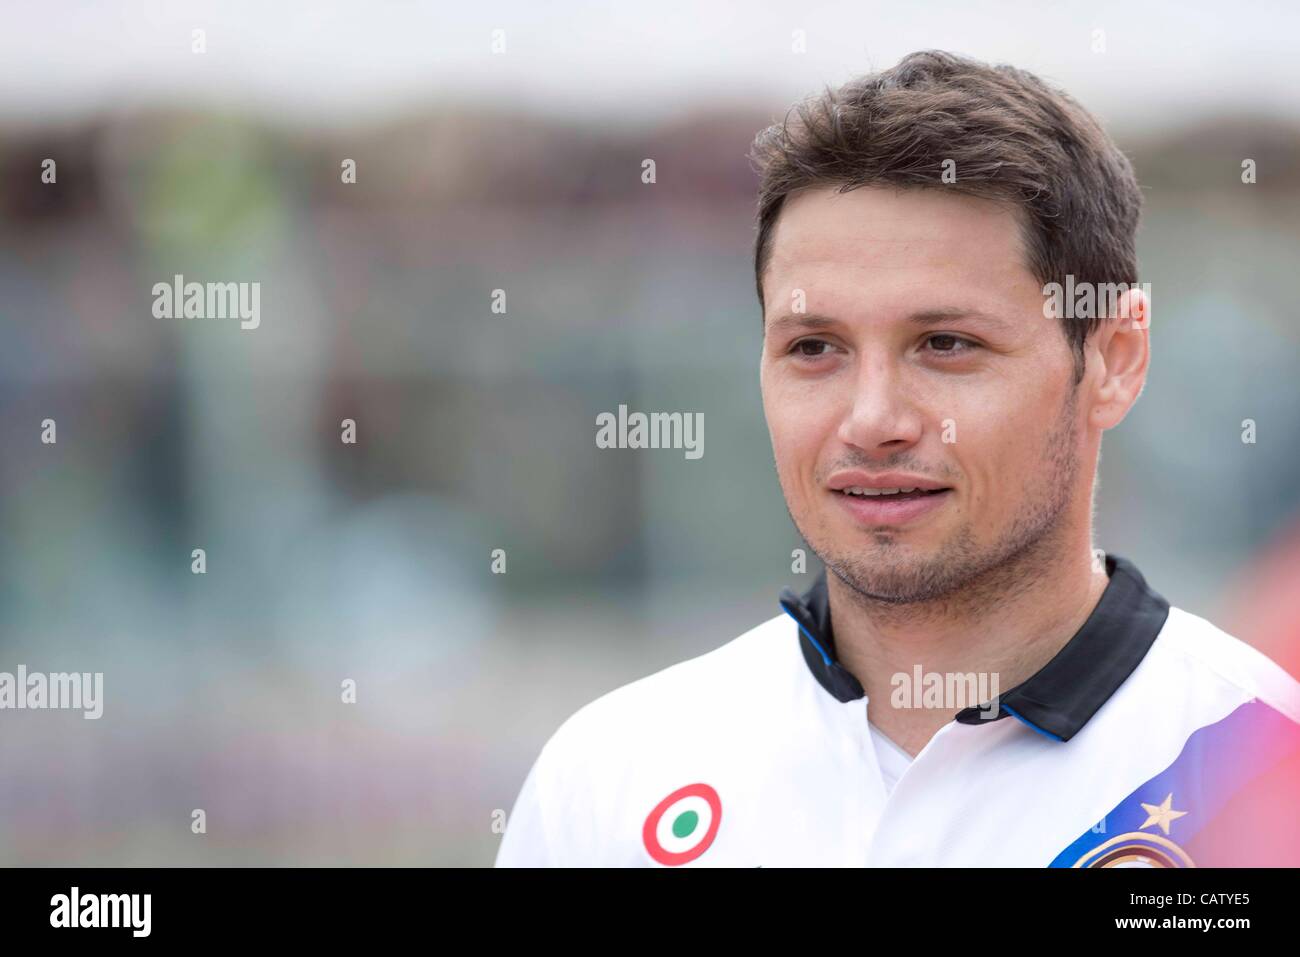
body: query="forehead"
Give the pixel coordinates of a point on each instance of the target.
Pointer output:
(881, 243)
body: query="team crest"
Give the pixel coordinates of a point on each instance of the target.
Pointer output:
(682, 825)
(1141, 849)
(1136, 849)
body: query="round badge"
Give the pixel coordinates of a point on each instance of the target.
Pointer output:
(683, 825)
(1136, 849)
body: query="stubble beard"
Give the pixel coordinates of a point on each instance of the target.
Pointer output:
(962, 573)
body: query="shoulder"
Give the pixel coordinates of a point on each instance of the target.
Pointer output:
(616, 758)
(692, 694)
(1192, 649)
(1244, 764)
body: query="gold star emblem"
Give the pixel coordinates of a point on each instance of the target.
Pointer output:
(1161, 814)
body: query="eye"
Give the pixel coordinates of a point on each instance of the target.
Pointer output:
(804, 348)
(947, 344)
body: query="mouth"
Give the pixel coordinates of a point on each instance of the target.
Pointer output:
(891, 494)
(890, 506)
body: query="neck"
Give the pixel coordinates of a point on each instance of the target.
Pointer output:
(1006, 624)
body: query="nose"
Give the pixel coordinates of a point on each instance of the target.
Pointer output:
(882, 415)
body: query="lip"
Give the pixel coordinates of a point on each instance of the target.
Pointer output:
(874, 511)
(852, 478)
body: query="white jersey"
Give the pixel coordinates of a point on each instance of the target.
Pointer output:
(1122, 751)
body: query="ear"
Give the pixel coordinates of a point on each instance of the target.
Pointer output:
(1121, 350)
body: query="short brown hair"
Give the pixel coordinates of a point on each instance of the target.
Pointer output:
(1013, 138)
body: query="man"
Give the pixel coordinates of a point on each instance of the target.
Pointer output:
(992, 691)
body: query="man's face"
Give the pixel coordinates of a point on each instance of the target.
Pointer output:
(921, 351)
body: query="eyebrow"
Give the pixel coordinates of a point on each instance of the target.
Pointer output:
(926, 317)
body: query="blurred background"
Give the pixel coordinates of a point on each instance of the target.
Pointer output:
(483, 167)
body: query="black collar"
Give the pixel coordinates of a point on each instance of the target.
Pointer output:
(1060, 697)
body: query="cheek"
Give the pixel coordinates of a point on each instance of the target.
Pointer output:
(795, 452)
(793, 419)
(998, 451)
